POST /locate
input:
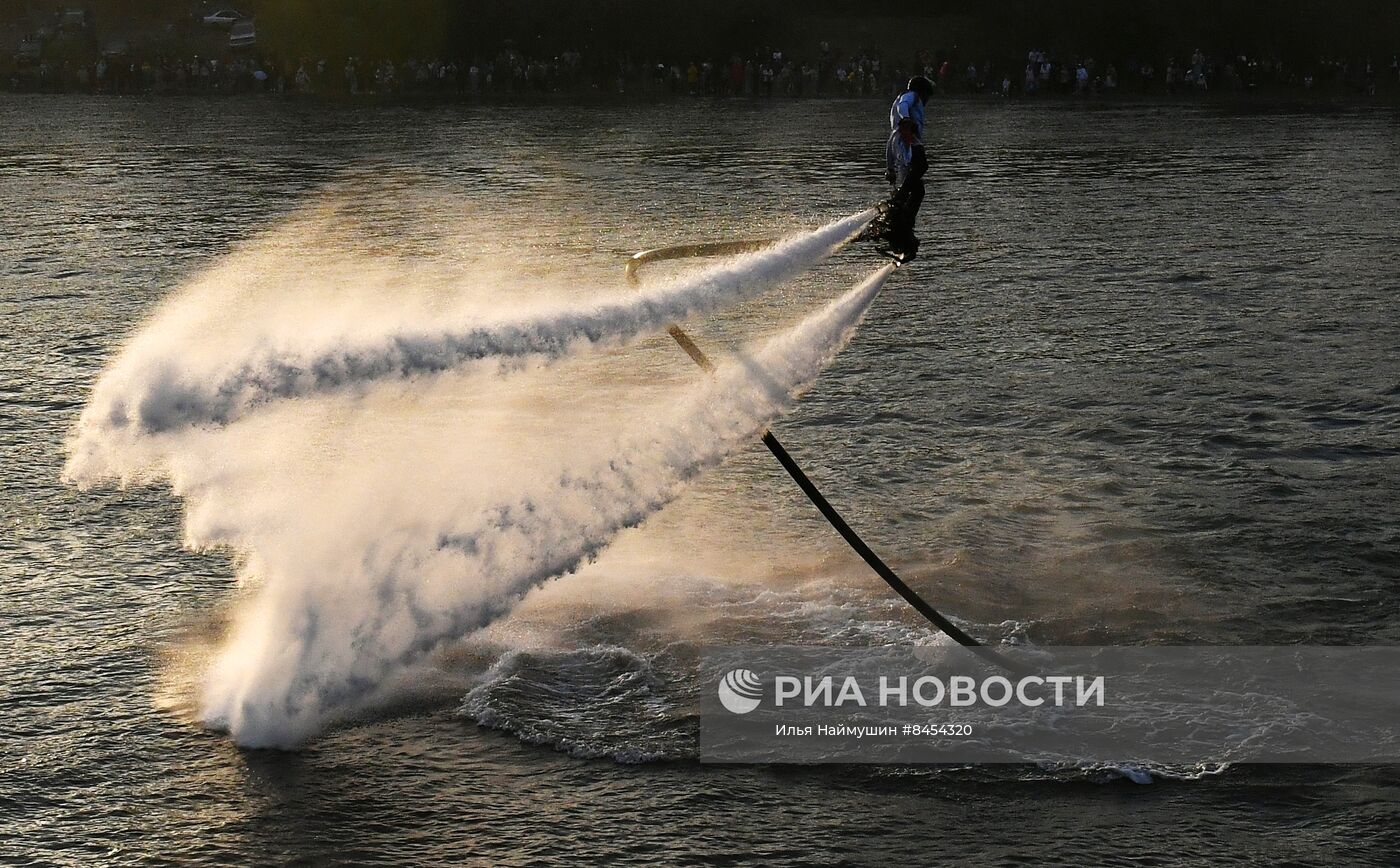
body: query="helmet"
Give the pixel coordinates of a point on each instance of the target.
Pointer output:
(920, 85)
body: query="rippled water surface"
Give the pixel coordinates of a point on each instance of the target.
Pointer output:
(1143, 387)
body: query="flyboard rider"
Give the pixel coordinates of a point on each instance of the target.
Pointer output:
(905, 165)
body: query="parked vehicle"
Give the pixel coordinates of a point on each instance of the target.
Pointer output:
(224, 18)
(242, 34)
(73, 18)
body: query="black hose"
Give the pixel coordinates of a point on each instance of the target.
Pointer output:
(881, 569)
(794, 470)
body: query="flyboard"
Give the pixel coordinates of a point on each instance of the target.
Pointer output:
(874, 231)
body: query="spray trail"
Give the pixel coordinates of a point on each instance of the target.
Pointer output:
(151, 389)
(325, 633)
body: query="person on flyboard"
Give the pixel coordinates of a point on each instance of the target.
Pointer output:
(905, 165)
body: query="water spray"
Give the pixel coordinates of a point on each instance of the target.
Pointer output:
(151, 390)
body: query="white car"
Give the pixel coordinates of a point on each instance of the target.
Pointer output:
(242, 34)
(224, 18)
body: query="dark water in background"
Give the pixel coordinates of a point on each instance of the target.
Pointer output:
(1171, 413)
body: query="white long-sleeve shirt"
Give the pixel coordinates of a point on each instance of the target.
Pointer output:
(898, 153)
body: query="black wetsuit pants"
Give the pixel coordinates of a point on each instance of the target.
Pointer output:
(904, 205)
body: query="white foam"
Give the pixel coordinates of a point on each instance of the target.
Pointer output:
(338, 613)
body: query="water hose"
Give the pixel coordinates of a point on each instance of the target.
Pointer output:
(794, 470)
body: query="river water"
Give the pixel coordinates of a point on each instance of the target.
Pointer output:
(1143, 387)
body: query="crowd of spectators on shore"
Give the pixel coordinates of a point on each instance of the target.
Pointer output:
(767, 73)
